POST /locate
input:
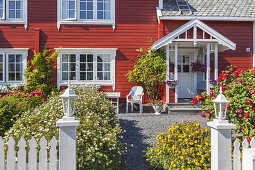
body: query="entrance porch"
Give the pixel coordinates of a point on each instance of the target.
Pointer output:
(193, 42)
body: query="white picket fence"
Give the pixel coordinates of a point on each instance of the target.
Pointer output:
(237, 160)
(20, 162)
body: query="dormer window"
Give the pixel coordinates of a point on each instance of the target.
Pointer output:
(86, 12)
(13, 12)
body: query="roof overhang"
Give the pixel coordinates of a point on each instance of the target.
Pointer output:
(218, 38)
(207, 18)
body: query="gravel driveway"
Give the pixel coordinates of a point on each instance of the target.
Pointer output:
(141, 132)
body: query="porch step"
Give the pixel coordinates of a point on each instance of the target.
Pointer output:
(183, 107)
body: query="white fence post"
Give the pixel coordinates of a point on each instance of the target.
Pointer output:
(67, 142)
(221, 144)
(248, 162)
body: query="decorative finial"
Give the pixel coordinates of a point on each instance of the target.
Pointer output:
(221, 90)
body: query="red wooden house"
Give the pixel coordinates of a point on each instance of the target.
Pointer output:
(99, 37)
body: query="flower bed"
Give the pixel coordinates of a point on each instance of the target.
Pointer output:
(185, 146)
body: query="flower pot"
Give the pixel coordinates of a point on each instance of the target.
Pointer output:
(157, 109)
(212, 86)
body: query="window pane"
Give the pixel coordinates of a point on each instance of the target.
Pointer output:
(107, 67)
(107, 15)
(11, 4)
(90, 67)
(83, 76)
(18, 14)
(90, 76)
(83, 67)
(18, 58)
(71, 5)
(1, 4)
(100, 6)
(90, 15)
(18, 5)
(185, 68)
(18, 77)
(106, 75)
(73, 58)
(1, 13)
(72, 76)
(12, 67)
(99, 67)
(72, 67)
(11, 14)
(90, 6)
(90, 58)
(99, 58)
(83, 15)
(72, 14)
(107, 58)
(82, 6)
(65, 76)
(1, 67)
(1, 58)
(18, 67)
(11, 76)
(64, 66)
(99, 76)
(99, 14)
(83, 58)
(11, 58)
(1, 76)
(107, 6)
(65, 57)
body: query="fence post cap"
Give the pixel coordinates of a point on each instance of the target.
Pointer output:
(70, 122)
(221, 124)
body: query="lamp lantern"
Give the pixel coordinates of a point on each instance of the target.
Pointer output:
(69, 100)
(221, 105)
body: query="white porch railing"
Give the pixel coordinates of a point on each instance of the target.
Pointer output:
(19, 161)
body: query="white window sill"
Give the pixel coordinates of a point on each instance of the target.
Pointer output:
(87, 22)
(73, 82)
(14, 22)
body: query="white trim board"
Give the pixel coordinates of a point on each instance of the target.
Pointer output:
(207, 18)
(168, 39)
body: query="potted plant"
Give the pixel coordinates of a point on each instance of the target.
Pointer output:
(157, 106)
(213, 83)
(172, 83)
(197, 66)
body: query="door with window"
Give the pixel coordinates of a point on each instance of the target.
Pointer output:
(185, 75)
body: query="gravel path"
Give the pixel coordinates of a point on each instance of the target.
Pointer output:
(141, 131)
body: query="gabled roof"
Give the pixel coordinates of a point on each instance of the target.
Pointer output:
(212, 8)
(222, 40)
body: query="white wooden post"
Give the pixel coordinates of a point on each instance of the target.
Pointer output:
(221, 144)
(216, 69)
(2, 153)
(208, 69)
(248, 162)
(167, 72)
(176, 70)
(160, 4)
(67, 142)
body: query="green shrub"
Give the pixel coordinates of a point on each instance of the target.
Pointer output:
(98, 136)
(39, 71)
(185, 146)
(14, 104)
(239, 89)
(150, 72)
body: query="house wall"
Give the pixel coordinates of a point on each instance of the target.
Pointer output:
(136, 25)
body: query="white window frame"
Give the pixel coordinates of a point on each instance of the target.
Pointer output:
(94, 21)
(95, 52)
(7, 20)
(5, 52)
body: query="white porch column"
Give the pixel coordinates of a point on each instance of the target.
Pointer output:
(167, 72)
(216, 62)
(208, 69)
(176, 69)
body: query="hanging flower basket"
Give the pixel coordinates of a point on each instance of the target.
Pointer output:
(172, 83)
(198, 67)
(213, 83)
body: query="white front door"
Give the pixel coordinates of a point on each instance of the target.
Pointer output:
(185, 75)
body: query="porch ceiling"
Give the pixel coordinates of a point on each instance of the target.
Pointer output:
(187, 41)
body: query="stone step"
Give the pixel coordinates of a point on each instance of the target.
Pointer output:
(183, 107)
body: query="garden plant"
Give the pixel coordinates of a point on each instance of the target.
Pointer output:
(185, 146)
(99, 136)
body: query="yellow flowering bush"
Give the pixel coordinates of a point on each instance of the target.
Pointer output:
(185, 146)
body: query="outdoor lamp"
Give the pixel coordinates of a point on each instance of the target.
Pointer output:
(221, 105)
(69, 100)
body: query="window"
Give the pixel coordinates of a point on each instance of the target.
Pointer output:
(87, 66)
(12, 65)
(13, 11)
(86, 12)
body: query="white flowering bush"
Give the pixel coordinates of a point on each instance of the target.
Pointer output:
(10, 87)
(99, 136)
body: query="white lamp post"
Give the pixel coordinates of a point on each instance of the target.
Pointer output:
(221, 105)
(69, 100)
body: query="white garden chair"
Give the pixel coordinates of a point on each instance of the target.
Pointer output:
(136, 94)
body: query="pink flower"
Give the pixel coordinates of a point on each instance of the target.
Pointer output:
(240, 80)
(252, 92)
(219, 78)
(195, 101)
(19, 99)
(228, 107)
(44, 100)
(227, 86)
(240, 112)
(246, 114)
(252, 108)
(202, 114)
(209, 112)
(249, 86)
(211, 92)
(249, 101)
(201, 97)
(225, 76)
(26, 95)
(234, 80)
(249, 139)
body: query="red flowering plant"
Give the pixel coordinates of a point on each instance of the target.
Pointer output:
(197, 66)
(158, 102)
(239, 89)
